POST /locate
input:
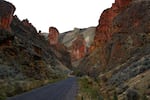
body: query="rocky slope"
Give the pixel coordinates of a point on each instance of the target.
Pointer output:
(25, 55)
(121, 48)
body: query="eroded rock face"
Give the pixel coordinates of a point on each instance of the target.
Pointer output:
(123, 32)
(104, 30)
(7, 10)
(78, 49)
(59, 50)
(122, 45)
(53, 36)
(72, 40)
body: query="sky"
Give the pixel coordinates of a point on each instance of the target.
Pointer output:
(65, 15)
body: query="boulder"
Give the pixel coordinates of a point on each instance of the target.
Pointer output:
(132, 94)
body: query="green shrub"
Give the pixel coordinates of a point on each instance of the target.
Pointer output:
(3, 97)
(89, 89)
(78, 73)
(115, 96)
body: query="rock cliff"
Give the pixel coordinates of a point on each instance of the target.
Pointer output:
(123, 33)
(58, 48)
(121, 49)
(105, 30)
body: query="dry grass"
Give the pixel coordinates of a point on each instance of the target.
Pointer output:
(89, 89)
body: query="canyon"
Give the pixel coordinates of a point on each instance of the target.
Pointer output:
(115, 53)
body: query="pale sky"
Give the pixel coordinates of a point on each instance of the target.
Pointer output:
(65, 15)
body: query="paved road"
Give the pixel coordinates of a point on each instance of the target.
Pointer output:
(63, 90)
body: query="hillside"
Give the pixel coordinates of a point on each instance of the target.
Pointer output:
(27, 60)
(119, 55)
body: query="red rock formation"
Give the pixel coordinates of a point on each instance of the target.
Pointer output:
(53, 36)
(6, 14)
(122, 29)
(104, 30)
(59, 50)
(78, 49)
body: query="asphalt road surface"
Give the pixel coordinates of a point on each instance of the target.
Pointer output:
(63, 90)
